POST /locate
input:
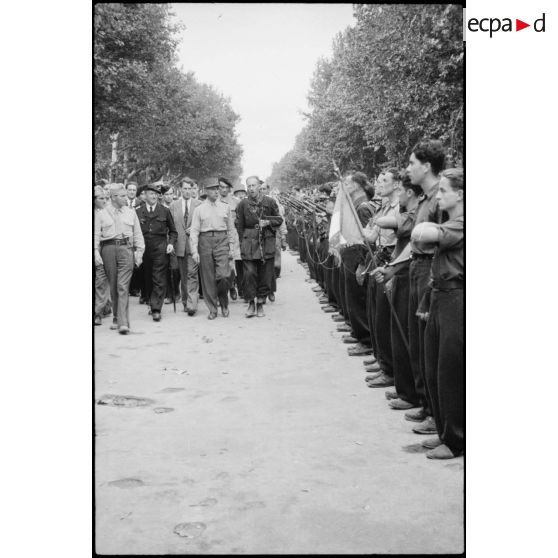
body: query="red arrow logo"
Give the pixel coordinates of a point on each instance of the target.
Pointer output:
(519, 25)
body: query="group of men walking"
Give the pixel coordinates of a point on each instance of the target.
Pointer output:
(227, 242)
(398, 294)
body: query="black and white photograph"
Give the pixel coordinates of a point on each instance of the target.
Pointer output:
(278, 278)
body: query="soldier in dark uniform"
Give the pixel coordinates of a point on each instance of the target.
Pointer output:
(156, 223)
(442, 306)
(257, 222)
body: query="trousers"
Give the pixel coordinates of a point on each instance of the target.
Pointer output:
(258, 277)
(419, 275)
(102, 289)
(402, 370)
(342, 301)
(155, 264)
(118, 262)
(355, 295)
(379, 321)
(445, 367)
(239, 268)
(214, 269)
(189, 283)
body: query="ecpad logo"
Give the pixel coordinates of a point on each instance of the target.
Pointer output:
(493, 25)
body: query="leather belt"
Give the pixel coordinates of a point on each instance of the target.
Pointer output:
(115, 241)
(213, 233)
(421, 256)
(451, 284)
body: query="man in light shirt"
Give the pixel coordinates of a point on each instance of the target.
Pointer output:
(103, 304)
(212, 244)
(118, 241)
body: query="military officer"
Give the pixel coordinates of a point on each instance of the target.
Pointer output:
(211, 242)
(118, 241)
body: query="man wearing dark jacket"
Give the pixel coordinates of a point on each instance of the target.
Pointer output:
(156, 223)
(258, 219)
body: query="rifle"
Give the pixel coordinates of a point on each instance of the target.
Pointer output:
(303, 205)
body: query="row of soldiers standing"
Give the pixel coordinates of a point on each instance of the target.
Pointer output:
(399, 293)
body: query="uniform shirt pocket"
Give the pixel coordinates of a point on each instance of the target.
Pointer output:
(159, 225)
(128, 221)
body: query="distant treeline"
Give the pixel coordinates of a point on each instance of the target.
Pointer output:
(394, 78)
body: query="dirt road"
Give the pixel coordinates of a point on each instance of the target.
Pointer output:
(258, 436)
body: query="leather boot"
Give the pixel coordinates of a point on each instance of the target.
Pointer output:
(260, 311)
(251, 312)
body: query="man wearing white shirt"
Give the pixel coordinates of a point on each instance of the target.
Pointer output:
(182, 211)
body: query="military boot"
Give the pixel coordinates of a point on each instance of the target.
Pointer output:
(251, 312)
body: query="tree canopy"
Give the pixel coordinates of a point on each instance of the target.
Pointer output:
(394, 78)
(150, 116)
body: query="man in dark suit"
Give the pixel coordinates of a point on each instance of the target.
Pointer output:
(182, 211)
(157, 225)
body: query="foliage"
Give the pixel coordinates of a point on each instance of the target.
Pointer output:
(394, 78)
(165, 120)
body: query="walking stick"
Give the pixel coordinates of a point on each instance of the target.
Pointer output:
(172, 284)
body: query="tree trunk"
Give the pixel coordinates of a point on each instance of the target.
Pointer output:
(114, 157)
(125, 166)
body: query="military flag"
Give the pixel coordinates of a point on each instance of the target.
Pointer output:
(345, 228)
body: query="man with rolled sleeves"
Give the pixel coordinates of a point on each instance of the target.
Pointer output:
(157, 225)
(117, 234)
(182, 212)
(257, 222)
(211, 242)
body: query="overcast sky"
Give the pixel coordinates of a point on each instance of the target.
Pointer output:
(261, 56)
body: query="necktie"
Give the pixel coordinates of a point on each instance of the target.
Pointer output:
(186, 214)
